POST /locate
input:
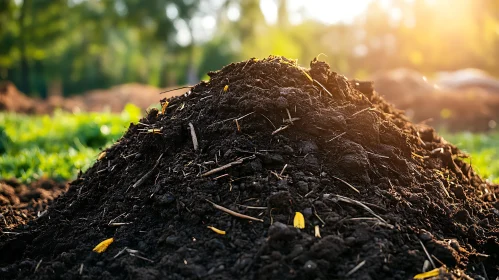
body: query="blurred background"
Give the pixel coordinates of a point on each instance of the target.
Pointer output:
(60, 59)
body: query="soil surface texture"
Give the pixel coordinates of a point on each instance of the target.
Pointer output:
(21, 203)
(242, 153)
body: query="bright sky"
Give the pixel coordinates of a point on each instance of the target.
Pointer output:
(326, 11)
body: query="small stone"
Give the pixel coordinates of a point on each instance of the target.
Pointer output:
(288, 149)
(164, 199)
(350, 240)
(172, 240)
(310, 266)
(282, 102)
(307, 212)
(297, 250)
(302, 187)
(282, 185)
(280, 231)
(309, 147)
(459, 192)
(462, 216)
(425, 235)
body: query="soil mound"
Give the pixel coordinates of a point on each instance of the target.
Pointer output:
(12, 100)
(242, 153)
(114, 99)
(454, 109)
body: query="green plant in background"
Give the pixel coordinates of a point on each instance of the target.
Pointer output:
(57, 146)
(483, 149)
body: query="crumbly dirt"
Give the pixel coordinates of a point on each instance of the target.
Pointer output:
(21, 203)
(380, 189)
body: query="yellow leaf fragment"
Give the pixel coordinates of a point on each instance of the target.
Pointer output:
(317, 231)
(428, 274)
(102, 155)
(226, 88)
(299, 221)
(154, 130)
(222, 232)
(418, 156)
(101, 247)
(163, 108)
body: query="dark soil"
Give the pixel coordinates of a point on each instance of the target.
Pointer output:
(419, 190)
(21, 203)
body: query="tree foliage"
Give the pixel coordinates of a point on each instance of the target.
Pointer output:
(87, 44)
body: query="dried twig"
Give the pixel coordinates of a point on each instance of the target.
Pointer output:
(323, 87)
(377, 155)
(221, 176)
(140, 257)
(114, 219)
(119, 224)
(280, 129)
(289, 116)
(346, 183)
(203, 98)
(120, 252)
(173, 89)
(361, 111)
(444, 189)
(336, 137)
(147, 175)
(237, 125)
(233, 213)
(231, 119)
(427, 254)
(228, 165)
(353, 201)
(269, 121)
(240, 118)
(357, 267)
(290, 120)
(437, 150)
(284, 168)
(194, 137)
(252, 207)
(10, 232)
(38, 265)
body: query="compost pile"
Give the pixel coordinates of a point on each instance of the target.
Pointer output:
(381, 197)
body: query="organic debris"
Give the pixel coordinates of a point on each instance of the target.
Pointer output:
(311, 142)
(101, 247)
(222, 232)
(299, 221)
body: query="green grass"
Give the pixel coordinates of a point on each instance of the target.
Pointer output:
(484, 151)
(57, 146)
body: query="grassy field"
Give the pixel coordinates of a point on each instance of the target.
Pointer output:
(57, 146)
(484, 151)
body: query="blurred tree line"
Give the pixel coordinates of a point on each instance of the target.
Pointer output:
(78, 45)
